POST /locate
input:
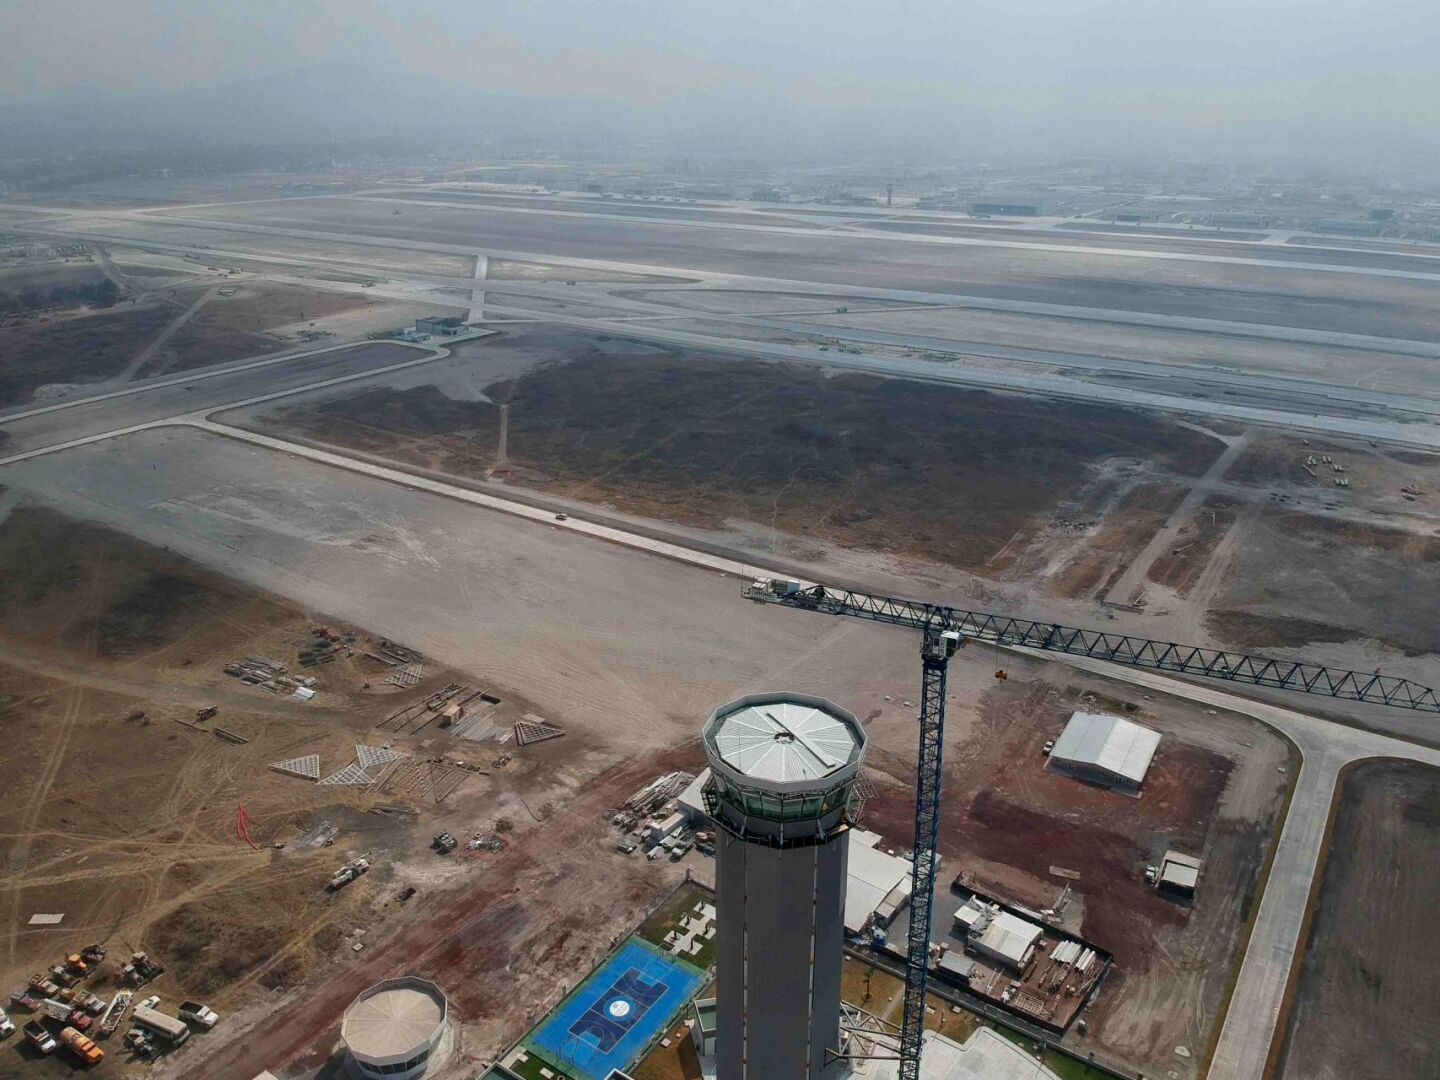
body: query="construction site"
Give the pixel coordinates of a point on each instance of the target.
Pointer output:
(379, 566)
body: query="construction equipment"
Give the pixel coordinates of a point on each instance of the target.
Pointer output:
(139, 1044)
(945, 629)
(141, 969)
(206, 713)
(115, 1014)
(346, 874)
(82, 1047)
(39, 1037)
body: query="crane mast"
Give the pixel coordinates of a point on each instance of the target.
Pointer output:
(945, 629)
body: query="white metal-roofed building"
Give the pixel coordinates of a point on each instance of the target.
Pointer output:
(394, 1029)
(1178, 873)
(985, 1055)
(1106, 749)
(873, 877)
(691, 801)
(1007, 938)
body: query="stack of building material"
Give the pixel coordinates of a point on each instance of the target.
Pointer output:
(408, 675)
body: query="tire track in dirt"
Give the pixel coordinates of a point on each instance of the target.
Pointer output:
(459, 931)
(36, 805)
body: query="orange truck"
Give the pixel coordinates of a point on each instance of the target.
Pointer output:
(82, 1047)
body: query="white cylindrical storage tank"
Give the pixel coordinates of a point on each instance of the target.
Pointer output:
(393, 1030)
(781, 771)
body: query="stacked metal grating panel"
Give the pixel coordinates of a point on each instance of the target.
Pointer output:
(370, 756)
(534, 731)
(307, 767)
(352, 775)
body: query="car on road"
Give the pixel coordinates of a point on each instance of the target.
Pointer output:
(562, 517)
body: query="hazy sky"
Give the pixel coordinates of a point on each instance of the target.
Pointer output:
(1247, 72)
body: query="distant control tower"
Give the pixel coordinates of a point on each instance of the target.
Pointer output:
(781, 771)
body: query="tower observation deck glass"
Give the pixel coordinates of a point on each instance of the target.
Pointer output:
(782, 759)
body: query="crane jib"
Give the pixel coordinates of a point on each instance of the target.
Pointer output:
(1371, 688)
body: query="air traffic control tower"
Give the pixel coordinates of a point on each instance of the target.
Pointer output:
(781, 771)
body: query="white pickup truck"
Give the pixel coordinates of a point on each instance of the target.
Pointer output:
(195, 1013)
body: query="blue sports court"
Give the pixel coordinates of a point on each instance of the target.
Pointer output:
(616, 1012)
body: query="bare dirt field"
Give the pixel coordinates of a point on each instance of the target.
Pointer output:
(1302, 577)
(125, 808)
(1364, 1002)
(701, 440)
(1214, 789)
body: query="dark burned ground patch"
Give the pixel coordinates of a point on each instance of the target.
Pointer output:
(274, 931)
(1365, 1001)
(1247, 630)
(884, 464)
(83, 349)
(1301, 578)
(134, 598)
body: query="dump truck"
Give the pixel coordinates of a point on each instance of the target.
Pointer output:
(43, 986)
(93, 954)
(194, 1012)
(76, 965)
(83, 1048)
(38, 1036)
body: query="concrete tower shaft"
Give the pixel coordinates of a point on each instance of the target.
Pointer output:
(782, 767)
